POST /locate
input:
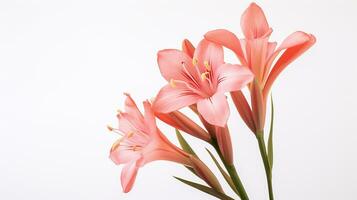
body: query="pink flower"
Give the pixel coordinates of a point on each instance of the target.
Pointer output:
(202, 79)
(256, 52)
(141, 142)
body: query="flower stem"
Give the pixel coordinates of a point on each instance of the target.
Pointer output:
(268, 170)
(232, 172)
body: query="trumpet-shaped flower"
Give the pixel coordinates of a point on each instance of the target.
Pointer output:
(141, 142)
(261, 56)
(200, 80)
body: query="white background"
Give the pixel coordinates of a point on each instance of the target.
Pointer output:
(65, 64)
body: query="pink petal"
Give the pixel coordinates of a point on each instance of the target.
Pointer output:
(128, 175)
(188, 48)
(253, 22)
(294, 45)
(121, 155)
(125, 126)
(209, 52)
(225, 143)
(129, 123)
(227, 39)
(215, 109)
(258, 106)
(150, 118)
(171, 64)
(270, 53)
(174, 98)
(131, 107)
(243, 108)
(164, 154)
(233, 77)
(257, 50)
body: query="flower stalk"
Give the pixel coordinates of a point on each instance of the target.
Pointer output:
(232, 172)
(268, 169)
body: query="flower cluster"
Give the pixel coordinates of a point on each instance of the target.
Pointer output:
(200, 79)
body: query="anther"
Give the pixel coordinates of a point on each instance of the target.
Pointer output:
(194, 61)
(130, 134)
(207, 65)
(172, 83)
(110, 128)
(204, 75)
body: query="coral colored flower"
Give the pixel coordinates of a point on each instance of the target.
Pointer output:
(202, 79)
(141, 143)
(256, 52)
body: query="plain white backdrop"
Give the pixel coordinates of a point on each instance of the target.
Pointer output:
(65, 64)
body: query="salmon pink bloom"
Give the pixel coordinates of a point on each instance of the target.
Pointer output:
(262, 57)
(141, 142)
(200, 80)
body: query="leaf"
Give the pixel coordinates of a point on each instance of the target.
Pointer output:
(224, 173)
(185, 146)
(270, 139)
(205, 189)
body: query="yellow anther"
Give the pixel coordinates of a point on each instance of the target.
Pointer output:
(204, 75)
(194, 61)
(110, 128)
(172, 83)
(207, 65)
(116, 145)
(130, 134)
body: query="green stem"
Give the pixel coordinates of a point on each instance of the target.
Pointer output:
(268, 171)
(232, 172)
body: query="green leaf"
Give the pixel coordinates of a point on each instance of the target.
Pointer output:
(205, 189)
(224, 173)
(270, 139)
(185, 146)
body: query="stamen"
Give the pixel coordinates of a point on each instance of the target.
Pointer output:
(204, 75)
(172, 83)
(136, 148)
(194, 61)
(116, 144)
(110, 128)
(115, 130)
(130, 134)
(207, 65)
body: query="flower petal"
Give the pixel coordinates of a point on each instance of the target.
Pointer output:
(225, 143)
(227, 39)
(208, 53)
(131, 108)
(128, 175)
(233, 77)
(215, 109)
(257, 54)
(125, 125)
(150, 118)
(174, 98)
(243, 108)
(253, 22)
(188, 48)
(294, 45)
(164, 152)
(170, 63)
(121, 154)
